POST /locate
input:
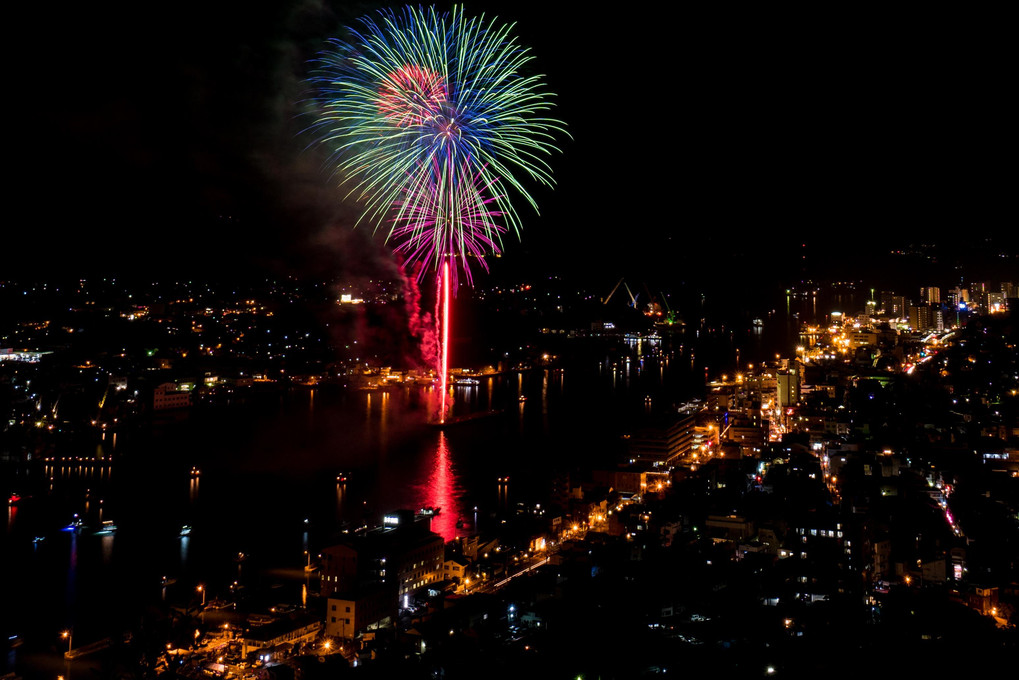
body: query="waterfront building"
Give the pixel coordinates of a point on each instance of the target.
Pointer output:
(454, 567)
(26, 356)
(366, 608)
(403, 552)
(296, 630)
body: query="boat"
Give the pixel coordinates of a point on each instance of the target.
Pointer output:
(75, 525)
(107, 528)
(256, 620)
(185, 530)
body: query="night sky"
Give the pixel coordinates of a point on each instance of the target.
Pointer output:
(167, 138)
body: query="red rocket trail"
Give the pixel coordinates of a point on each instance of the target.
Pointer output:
(444, 348)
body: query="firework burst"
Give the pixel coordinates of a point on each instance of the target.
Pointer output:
(434, 123)
(424, 231)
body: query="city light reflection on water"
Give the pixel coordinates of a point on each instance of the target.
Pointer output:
(106, 544)
(72, 572)
(341, 488)
(383, 422)
(340, 458)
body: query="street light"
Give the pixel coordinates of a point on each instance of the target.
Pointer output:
(69, 635)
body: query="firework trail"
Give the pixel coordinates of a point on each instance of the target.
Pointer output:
(434, 124)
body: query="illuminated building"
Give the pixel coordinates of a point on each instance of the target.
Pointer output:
(789, 386)
(921, 318)
(662, 446)
(298, 630)
(995, 302)
(169, 396)
(29, 357)
(749, 433)
(893, 305)
(863, 338)
(366, 608)
(404, 552)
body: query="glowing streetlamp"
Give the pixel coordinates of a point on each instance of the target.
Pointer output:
(68, 634)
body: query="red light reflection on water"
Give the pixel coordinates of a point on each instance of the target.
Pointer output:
(442, 490)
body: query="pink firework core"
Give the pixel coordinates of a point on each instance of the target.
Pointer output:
(411, 94)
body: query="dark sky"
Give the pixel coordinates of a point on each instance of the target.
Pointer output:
(164, 138)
